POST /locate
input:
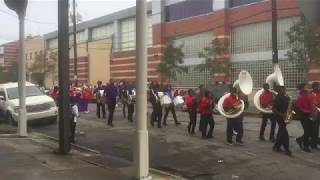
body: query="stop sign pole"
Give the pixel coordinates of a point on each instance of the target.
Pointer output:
(20, 7)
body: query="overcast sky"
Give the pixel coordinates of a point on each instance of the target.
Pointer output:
(42, 15)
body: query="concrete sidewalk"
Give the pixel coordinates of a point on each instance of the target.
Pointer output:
(33, 158)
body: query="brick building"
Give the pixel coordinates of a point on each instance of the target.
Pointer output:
(245, 24)
(8, 55)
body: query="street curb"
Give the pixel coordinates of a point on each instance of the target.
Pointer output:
(166, 174)
(73, 145)
(98, 153)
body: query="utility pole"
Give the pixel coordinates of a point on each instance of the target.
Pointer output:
(75, 58)
(20, 6)
(141, 153)
(64, 101)
(275, 59)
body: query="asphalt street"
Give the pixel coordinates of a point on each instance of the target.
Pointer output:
(174, 151)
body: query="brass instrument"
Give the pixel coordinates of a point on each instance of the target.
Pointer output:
(245, 85)
(290, 113)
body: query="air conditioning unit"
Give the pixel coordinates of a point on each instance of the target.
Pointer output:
(1, 50)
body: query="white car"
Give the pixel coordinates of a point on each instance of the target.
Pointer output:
(39, 106)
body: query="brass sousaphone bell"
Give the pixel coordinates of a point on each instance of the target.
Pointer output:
(245, 84)
(275, 78)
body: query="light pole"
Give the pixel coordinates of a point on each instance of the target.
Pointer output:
(64, 101)
(20, 6)
(75, 58)
(141, 154)
(275, 59)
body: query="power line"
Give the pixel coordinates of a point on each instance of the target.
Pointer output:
(28, 19)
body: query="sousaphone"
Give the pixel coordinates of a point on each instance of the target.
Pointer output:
(275, 78)
(245, 85)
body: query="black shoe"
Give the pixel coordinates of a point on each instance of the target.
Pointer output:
(152, 124)
(262, 138)
(178, 123)
(239, 143)
(299, 142)
(229, 143)
(210, 137)
(192, 133)
(98, 117)
(159, 126)
(306, 149)
(164, 124)
(275, 149)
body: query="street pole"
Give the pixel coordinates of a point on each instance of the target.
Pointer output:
(22, 125)
(20, 7)
(64, 101)
(75, 58)
(274, 32)
(141, 154)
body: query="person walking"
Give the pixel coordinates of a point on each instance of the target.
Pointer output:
(303, 106)
(156, 115)
(171, 107)
(100, 100)
(266, 99)
(206, 106)
(131, 96)
(190, 101)
(279, 108)
(111, 93)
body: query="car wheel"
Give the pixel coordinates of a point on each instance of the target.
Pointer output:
(10, 119)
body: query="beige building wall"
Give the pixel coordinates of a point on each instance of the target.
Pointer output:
(99, 60)
(34, 46)
(98, 53)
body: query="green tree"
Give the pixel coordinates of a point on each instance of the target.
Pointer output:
(215, 60)
(305, 44)
(43, 67)
(171, 63)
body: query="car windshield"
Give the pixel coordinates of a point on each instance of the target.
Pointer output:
(13, 93)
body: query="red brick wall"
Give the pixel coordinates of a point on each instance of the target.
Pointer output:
(82, 70)
(219, 22)
(10, 54)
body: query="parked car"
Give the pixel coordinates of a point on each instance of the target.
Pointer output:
(38, 105)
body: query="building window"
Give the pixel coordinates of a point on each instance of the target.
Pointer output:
(235, 3)
(31, 55)
(128, 34)
(187, 9)
(102, 32)
(194, 44)
(260, 70)
(53, 43)
(258, 37)
(81, 37)
(1, 61)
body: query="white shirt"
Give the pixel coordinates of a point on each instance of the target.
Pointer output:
(75, 112)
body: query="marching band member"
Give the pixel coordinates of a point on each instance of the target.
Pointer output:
(123, 96)
(156, 114)
(266, 99)
(279, 108)
(111, 93)
(199, 96)
(192, 110)
(100, 100)
(130, 96)
(233, 124)
(168, 92)
(206, 106)
(316, 114)
(304, 105)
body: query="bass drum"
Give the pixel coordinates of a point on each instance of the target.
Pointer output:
(222, 111)
(165, 101)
